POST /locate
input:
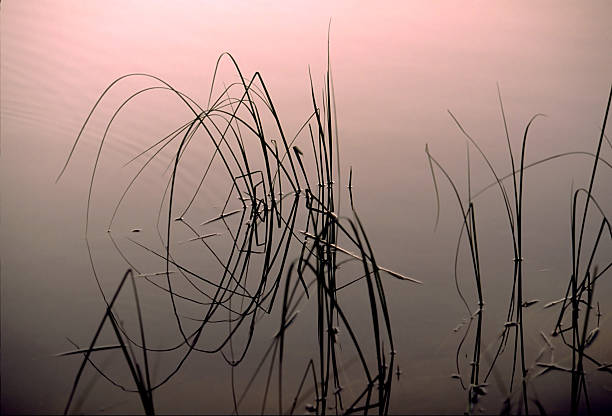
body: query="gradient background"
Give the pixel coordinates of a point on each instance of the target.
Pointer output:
(397, 68)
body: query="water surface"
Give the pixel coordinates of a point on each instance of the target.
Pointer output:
(396, 68)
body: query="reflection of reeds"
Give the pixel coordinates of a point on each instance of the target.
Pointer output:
(277, 186)
(577, 292)
(143, 383)
(280, 185)
(581, 286)
(475, 389)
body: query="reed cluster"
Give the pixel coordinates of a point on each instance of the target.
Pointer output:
(288, 245)
(272, 264)
(574, 324)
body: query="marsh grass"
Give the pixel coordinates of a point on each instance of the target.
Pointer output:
(580, 288)
(281, 245)
(142, 382)
(277, 185)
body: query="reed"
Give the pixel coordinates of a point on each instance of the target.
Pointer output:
(288, 247)
(580, 290)
(278, 185)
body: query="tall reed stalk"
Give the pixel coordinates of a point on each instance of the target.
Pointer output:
(579, 291)
(278, 185)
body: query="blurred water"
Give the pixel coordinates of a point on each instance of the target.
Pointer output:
(397, 68)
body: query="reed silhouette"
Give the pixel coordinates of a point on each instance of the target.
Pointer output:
(278, 186)
(580, 290)
(288, 245)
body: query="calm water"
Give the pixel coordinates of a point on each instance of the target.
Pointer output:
(396, 70)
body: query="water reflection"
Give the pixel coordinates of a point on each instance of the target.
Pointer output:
(396, 69)
(272, 195)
